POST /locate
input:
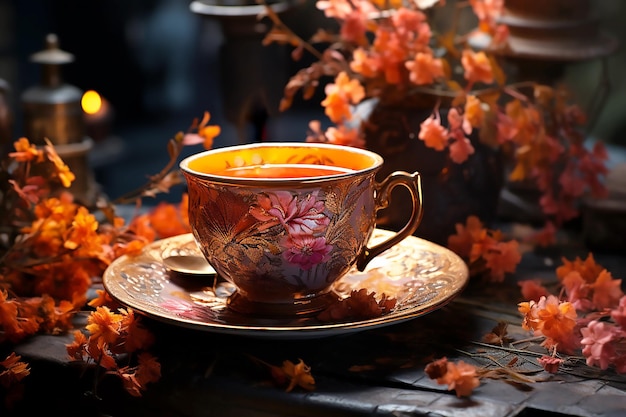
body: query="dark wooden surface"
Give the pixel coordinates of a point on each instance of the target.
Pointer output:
(378, 372)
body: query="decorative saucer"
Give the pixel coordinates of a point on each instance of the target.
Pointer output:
(422, 276)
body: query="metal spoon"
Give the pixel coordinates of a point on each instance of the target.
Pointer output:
(189, 265)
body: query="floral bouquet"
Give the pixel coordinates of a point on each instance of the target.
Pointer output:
(401, 53)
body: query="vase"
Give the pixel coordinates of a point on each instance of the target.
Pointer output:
(544, 36)
(451, 191)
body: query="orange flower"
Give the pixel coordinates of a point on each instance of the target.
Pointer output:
(460, 376)
(298, 374)
(425, 69)
(606, 291)
(136, 378)
(363, 64)
(208, 132)
(14, 370)
(433, 134)
(345, 136)
(552, 318)
(474, 112)
(104, 325)
(339, 96)
(485, 248)
(137, 336)
(84, 229)
(201, 132)
(76, 349)
(463, 241)
(25, 151)
(63, 172)
(532, 289)
(477, 67)
(354, 29)
(503, 257)
(103, 298)
(587, 268)
(9, 317)
(168, 220)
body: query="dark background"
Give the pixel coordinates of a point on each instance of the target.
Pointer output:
(161, 65)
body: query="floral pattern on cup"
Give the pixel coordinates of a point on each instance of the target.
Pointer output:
(304, 221)
(278, 233)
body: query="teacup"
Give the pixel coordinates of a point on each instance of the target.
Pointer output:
(283, 222)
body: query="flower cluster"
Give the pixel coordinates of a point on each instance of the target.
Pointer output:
(393, 52)
(112, 335)
(484, 250)
(588, 313)
(586, 319)
(53, 250)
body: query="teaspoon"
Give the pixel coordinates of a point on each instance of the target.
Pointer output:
(189, 265)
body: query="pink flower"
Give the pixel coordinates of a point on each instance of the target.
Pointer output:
(345, 136)
(354, 28)
(459, 122)
(597, 338)
(577, 291)
(299, 216)
(506, 127)
(619, 313)
(550, 364)
(433, 134)
(335, 8)
(461, 149)
(487, 11)
(305, 250)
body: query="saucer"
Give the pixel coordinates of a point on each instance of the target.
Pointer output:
(422, 276)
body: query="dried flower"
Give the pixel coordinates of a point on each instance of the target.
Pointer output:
(498, 335)
(12, 370)
(458, 376)
(550, 363)
(290, 374)
(360, 305)
(484, 250)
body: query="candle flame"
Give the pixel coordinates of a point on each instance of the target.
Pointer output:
(91, 102)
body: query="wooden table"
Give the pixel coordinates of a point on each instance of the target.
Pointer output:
(378, 372)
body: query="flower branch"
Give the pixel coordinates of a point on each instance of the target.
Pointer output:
(394, 54)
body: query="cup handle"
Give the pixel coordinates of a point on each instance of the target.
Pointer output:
(382, 191)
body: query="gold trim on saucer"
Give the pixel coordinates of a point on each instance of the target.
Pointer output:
(422, 276)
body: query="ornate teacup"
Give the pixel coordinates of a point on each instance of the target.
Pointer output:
(283, 222)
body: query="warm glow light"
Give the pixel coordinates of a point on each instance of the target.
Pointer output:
(91, 102)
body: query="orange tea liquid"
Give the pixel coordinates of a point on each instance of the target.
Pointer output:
(282, 171)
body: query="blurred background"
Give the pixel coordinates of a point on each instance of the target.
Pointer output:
(159, 64)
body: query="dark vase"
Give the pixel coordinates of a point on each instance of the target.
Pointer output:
(451, 191)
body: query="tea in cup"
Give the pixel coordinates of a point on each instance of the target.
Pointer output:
(283, 222)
